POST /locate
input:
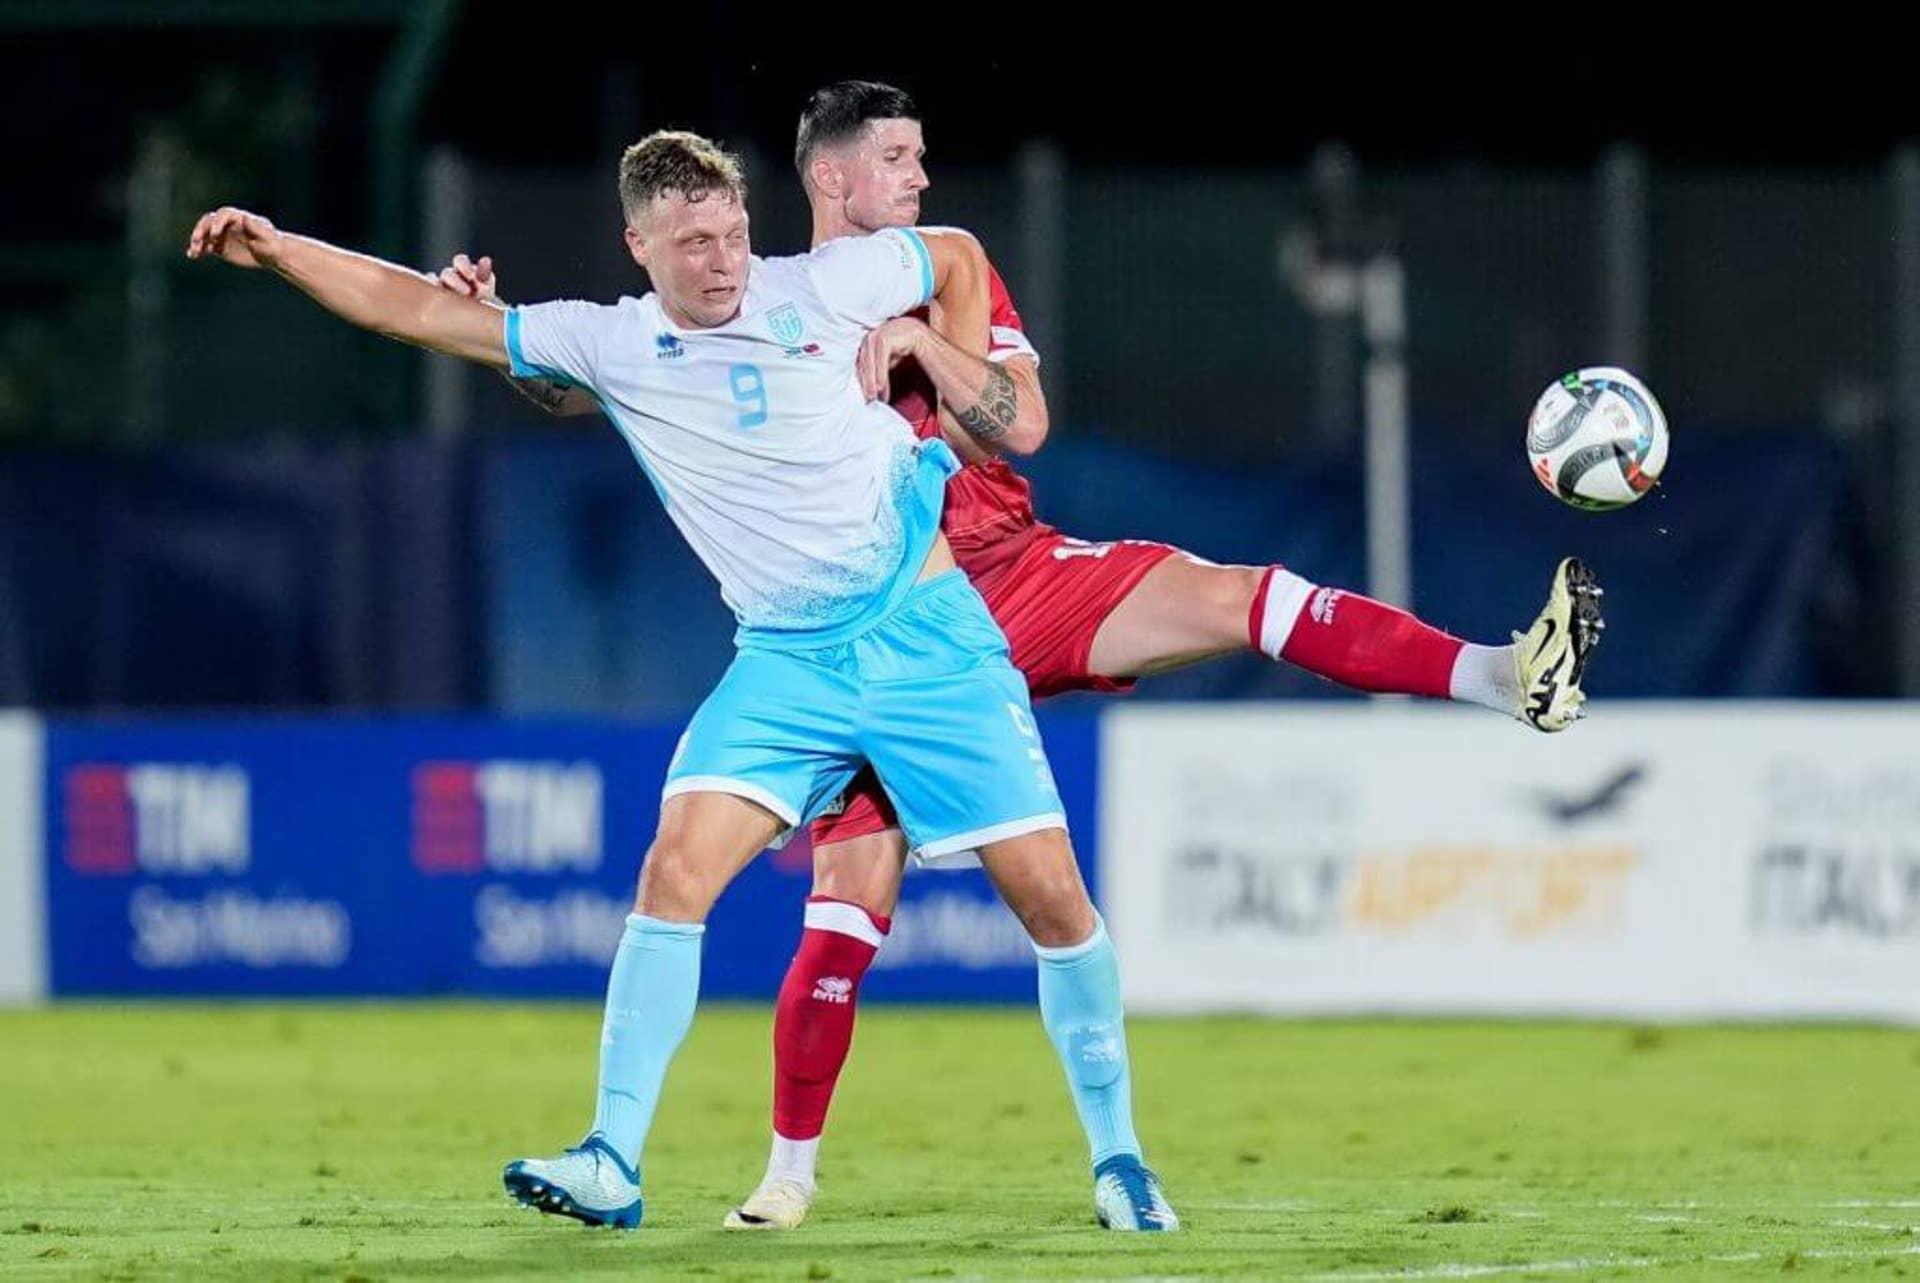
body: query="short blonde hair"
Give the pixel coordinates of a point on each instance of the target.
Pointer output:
(674, 160)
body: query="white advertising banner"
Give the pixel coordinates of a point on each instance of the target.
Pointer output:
(1654, 861)
(22, 900)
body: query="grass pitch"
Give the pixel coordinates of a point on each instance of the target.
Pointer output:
(365, 1142)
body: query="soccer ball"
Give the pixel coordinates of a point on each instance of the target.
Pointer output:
(1597, 439)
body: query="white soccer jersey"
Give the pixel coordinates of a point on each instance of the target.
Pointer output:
(807, 502)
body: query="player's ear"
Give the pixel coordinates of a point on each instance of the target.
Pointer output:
(827, 178)
(637, 244)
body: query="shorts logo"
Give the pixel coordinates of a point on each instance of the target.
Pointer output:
(834, 989)
(1023, 722)
(1323, 603)
(786, 325)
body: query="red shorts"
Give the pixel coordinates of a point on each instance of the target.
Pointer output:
(1050, 601)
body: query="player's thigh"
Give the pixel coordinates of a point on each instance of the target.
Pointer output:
(778, 730)
(1182, 611)
(948, 727)
(1036, 874)
(703, 841)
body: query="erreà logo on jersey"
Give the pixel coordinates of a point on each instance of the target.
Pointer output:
(507, 817)
(159, 818)
(666, 347)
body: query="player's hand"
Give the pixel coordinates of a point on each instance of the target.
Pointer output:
(241, 238)
(884, 348)
(470, 279)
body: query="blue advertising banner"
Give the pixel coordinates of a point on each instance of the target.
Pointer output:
(288, 857)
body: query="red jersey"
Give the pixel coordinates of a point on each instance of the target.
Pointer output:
(989, 512)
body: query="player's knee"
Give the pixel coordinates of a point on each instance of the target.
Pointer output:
(671, 883)
(1219, 600)
(1057, 914)
(865, 871)
(1234, 592)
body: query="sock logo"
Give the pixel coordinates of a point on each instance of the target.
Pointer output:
(1097, 1054)
(1322, 605)
(834, 989)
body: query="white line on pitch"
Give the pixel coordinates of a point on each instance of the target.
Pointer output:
(1461, 1270)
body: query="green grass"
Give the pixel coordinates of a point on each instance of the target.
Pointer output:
(364, 1142)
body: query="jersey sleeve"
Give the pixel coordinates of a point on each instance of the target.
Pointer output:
(560, 340)
(865, 280)
(1009, 332)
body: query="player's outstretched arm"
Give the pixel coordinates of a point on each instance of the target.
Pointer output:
(365, 291)
(476, 279)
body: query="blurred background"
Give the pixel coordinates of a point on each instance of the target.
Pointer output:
(1242, 261)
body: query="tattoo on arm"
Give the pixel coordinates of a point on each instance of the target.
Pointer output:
(548, 394)
(990, 417)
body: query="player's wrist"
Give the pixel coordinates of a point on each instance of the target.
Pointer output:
(279, 251)
(920, 336)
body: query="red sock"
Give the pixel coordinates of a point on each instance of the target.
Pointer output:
(1353, 640)
(813, 1019)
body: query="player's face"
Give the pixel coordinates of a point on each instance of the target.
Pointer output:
(696, 253)
(884, 174)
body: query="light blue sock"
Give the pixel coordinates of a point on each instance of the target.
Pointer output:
(1080, 1006)
(650, 998)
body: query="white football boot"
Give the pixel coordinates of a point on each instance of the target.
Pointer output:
(779, 1204)
(1127, 1196)
(589, 1182)
(1550, 658)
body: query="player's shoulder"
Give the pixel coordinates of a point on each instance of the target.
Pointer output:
(941, 229)
(627, 314)
(625, 307)
(859, 247)
(784, 278)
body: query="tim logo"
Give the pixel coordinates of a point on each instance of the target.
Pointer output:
(506, 817)
(1322, 605)
(835, 989)
(157, 818)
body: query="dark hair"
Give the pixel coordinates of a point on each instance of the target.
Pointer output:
(839, 111)
(673, 160)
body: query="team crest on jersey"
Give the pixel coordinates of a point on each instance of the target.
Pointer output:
(786, 324)
(666, 347)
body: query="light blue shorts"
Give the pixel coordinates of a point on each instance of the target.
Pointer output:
(927, 695)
